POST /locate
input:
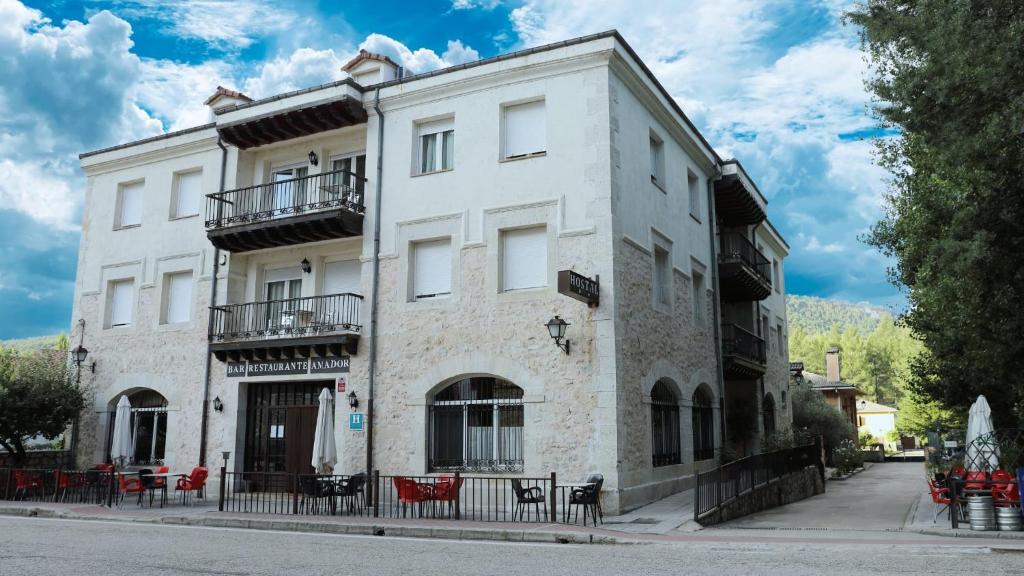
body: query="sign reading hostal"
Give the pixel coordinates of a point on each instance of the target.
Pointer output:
(579, 287)
(292, 367)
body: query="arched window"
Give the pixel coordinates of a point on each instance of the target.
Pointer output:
(476, 425)
(148, 426)
(703, 425)
(768, 414)
(665, 426)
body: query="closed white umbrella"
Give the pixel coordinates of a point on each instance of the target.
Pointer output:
(325, 453)
(121, 445)
(982, 455)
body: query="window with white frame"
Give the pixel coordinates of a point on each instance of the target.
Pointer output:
(524, 258)
(697, 281)
(435, 146)
(352, 179)
(693, 186)
(662, 276)
(432, 269)
(120, 299)
(657, 160)
(178, 298)
(129, 205)
(525, 129)
(188, 192)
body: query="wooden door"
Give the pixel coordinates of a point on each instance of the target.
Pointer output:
(299, 439)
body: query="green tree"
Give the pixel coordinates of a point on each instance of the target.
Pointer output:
(813, 416)
(918, 416)
(948, 77)
(37, 398)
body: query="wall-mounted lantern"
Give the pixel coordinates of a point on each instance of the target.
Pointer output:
(313, 158)
(556, 329)
(353, 400)
(217, 404)
(306, 266)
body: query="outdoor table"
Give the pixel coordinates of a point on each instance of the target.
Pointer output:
(164, 475)
(565, 499)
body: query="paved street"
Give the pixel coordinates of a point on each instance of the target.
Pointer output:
(31, 546)
(880, 498)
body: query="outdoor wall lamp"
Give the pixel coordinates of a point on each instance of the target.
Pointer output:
(556, 328)
(306, 266)
(217, 404)
(353, 401)
(313, 158)
(81, 354)
(226, 454)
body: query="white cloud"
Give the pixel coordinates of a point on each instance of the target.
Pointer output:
(457, 53)
(421, 59)
(32, 190)
(473, 4)
(301, 69)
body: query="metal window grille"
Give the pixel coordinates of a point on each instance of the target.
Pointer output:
(665, 426)
(476, 425)
(703, 426)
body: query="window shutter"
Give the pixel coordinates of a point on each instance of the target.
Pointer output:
(432, 268)
(525, 258)
(190, 188)
(121, 303)
(525, 129)
(282, 274)
(131, 204)
(179, 298)
(342, 277)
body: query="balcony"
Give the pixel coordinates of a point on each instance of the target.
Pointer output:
(743, 354)
(738, 202)
(324, 206)
(284, 329)
(744, 273)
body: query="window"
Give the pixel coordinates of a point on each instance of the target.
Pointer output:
(665, 426)
(768, 415)
(281, 289)
(432, 269)
(524, 258)
(525, 130)
(121, 302)
(289, 191)
(776, 277)
(436, 146)
(662, 276)
(343, 277)
(148, 427)
(352, 179)
(188, 190)
(703, 424)
(698, 298)
(657, 160)
(129, 210)
(781, 345)
(693, 185)
(178, 298)
(476, 425)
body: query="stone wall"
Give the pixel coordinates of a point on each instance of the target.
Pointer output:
(38, 459)
(789, 488)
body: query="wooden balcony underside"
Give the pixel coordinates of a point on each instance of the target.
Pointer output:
(734, 204)
(299, 229)
(286, 348)
(294, 123)
(738, 282)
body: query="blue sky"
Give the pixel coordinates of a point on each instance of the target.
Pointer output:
(775, 83)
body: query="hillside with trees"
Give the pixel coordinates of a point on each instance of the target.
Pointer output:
(820, 315)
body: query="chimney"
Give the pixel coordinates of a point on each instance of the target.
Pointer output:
(832, 365)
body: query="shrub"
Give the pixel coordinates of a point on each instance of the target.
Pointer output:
(867, 440)
(813, 416)
(778, 440)
(846, 457)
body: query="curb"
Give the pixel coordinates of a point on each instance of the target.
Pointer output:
(968, 533)
(441, 532)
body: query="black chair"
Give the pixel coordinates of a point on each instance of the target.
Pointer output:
(352, 492)
(526, 496)
(589, 497)
(148, 484)
(315, 489)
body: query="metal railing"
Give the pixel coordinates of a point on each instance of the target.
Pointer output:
(335, 190)
(57, 485)
(737, 341)
(294, 317)
(719, 486)
(736, 247)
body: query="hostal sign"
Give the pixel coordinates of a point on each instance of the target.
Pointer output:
(288, 367)
(579, 287)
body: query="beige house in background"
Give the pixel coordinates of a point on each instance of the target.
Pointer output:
(878, 419)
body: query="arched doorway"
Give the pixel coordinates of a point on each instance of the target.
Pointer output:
(703, 424)
(476, 425)
(664, 425)
(148, 425)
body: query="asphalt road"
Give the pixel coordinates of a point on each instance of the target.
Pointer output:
(30, 546)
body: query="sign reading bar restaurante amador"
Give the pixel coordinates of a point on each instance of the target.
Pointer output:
(288, 367)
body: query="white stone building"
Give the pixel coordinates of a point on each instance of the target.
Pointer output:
(464, 191)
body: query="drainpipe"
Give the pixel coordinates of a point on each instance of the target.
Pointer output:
(203, 434)
(376, 285)
(717, 320)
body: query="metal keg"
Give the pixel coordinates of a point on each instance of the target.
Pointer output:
(981, 513)
(1008, 518)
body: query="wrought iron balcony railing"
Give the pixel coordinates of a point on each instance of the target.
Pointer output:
(336, 190)
(743, 344)
(737, 248)
(291, 318)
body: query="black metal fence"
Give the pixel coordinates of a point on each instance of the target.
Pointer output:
(57, 485)
(737, 341)
(445, 496)
(309, 316)
(315, 193)
(736, 247)
(716, 487)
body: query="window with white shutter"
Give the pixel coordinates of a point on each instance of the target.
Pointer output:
(121, 299)
(525, 129)
(342, 277)
(524, 258)
(188, 191)
(657, 149)
(178, 298)
(693, 185)
(432, 269)
(129, 205)
(436, 146)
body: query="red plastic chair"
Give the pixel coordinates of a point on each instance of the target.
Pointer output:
(73, 481)
(975, 480)
(411, 493)
(940, 497)
(1004, 489)
(446, 490)
(160, 483)
(194, 482)
(26, 483)
(958, 471)
(130, 485)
